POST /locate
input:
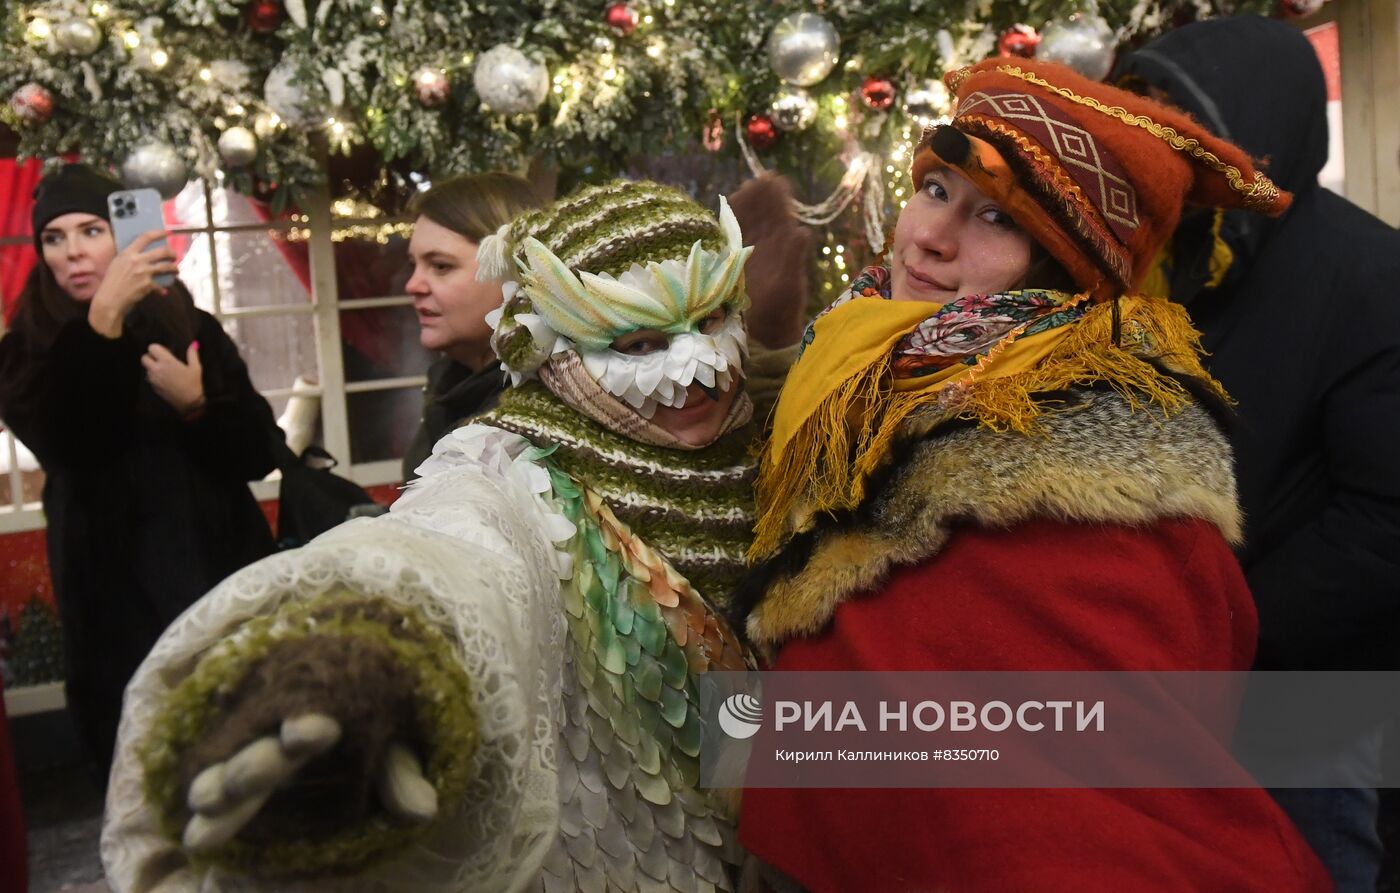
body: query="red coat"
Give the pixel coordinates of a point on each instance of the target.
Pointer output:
(1044, 595)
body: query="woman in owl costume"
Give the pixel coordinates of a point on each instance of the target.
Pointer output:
(493, 686)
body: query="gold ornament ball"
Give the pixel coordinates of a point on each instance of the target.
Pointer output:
(78, 37)
(266, 125)
(238, 146)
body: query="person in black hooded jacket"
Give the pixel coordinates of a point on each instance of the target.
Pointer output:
(148, 429)
(1301, 318)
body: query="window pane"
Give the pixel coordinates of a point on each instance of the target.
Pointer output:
(31, 475)
(371, 261)
(258, 268)
(280, 352)
(382, 423)
(382, 342)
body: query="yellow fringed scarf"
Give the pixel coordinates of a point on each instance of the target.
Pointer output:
(841, 410)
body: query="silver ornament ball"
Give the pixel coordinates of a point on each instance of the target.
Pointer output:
(793, 109)
(927, 102)
(157, 165)
(510, 82)
(238, 146)
(803, 48)
(78, 37)
(1084, 42)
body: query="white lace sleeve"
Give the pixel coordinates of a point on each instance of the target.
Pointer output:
(471, 546)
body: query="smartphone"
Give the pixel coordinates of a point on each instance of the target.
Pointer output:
(137, 211)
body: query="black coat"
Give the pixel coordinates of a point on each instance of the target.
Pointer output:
(145, 511)
(1304, 332)
(453, 394)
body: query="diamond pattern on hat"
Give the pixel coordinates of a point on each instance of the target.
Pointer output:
(1096, 172)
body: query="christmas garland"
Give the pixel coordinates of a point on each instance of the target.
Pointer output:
(164, 90)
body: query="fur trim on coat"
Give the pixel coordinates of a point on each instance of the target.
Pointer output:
(1097, 461)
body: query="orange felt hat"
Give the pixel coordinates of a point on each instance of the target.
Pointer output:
(1097, 175)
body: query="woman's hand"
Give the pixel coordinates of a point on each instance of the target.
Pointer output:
(130, 277)
(179, 384)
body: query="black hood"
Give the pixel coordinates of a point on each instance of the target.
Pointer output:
(1256, 82)
(1253, 81)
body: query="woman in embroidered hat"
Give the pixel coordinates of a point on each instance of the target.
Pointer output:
(994, 455)
(492, 687)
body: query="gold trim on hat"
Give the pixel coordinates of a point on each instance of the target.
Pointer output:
(1259, 195)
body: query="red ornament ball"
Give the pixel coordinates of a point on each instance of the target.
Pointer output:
(32, 104)
(621, 17)
(265, 15)
(431, 87)
(878, 93)
(761, 131)
(1018, 40)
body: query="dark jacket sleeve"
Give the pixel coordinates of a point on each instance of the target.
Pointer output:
(1329, 594)
(236, 433)
(74, 400)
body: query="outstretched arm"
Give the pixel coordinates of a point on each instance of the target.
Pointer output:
(317, 678)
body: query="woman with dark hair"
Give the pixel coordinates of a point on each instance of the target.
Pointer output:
(142, 414)
(976, 468)
(451, 303)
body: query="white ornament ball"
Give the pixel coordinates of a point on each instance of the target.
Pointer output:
(510, 82)
(793, 109)
(32, 104)
(803, 48)
(1084, 42)
(238, 146)
(927, 102)
(157, 165)
(78, 37)
(292, 96)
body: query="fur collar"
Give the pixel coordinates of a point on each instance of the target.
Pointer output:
(1096, 461)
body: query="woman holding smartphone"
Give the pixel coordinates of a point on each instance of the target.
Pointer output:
(142, 414)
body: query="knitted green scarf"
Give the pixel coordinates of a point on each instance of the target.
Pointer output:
(694, 507)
